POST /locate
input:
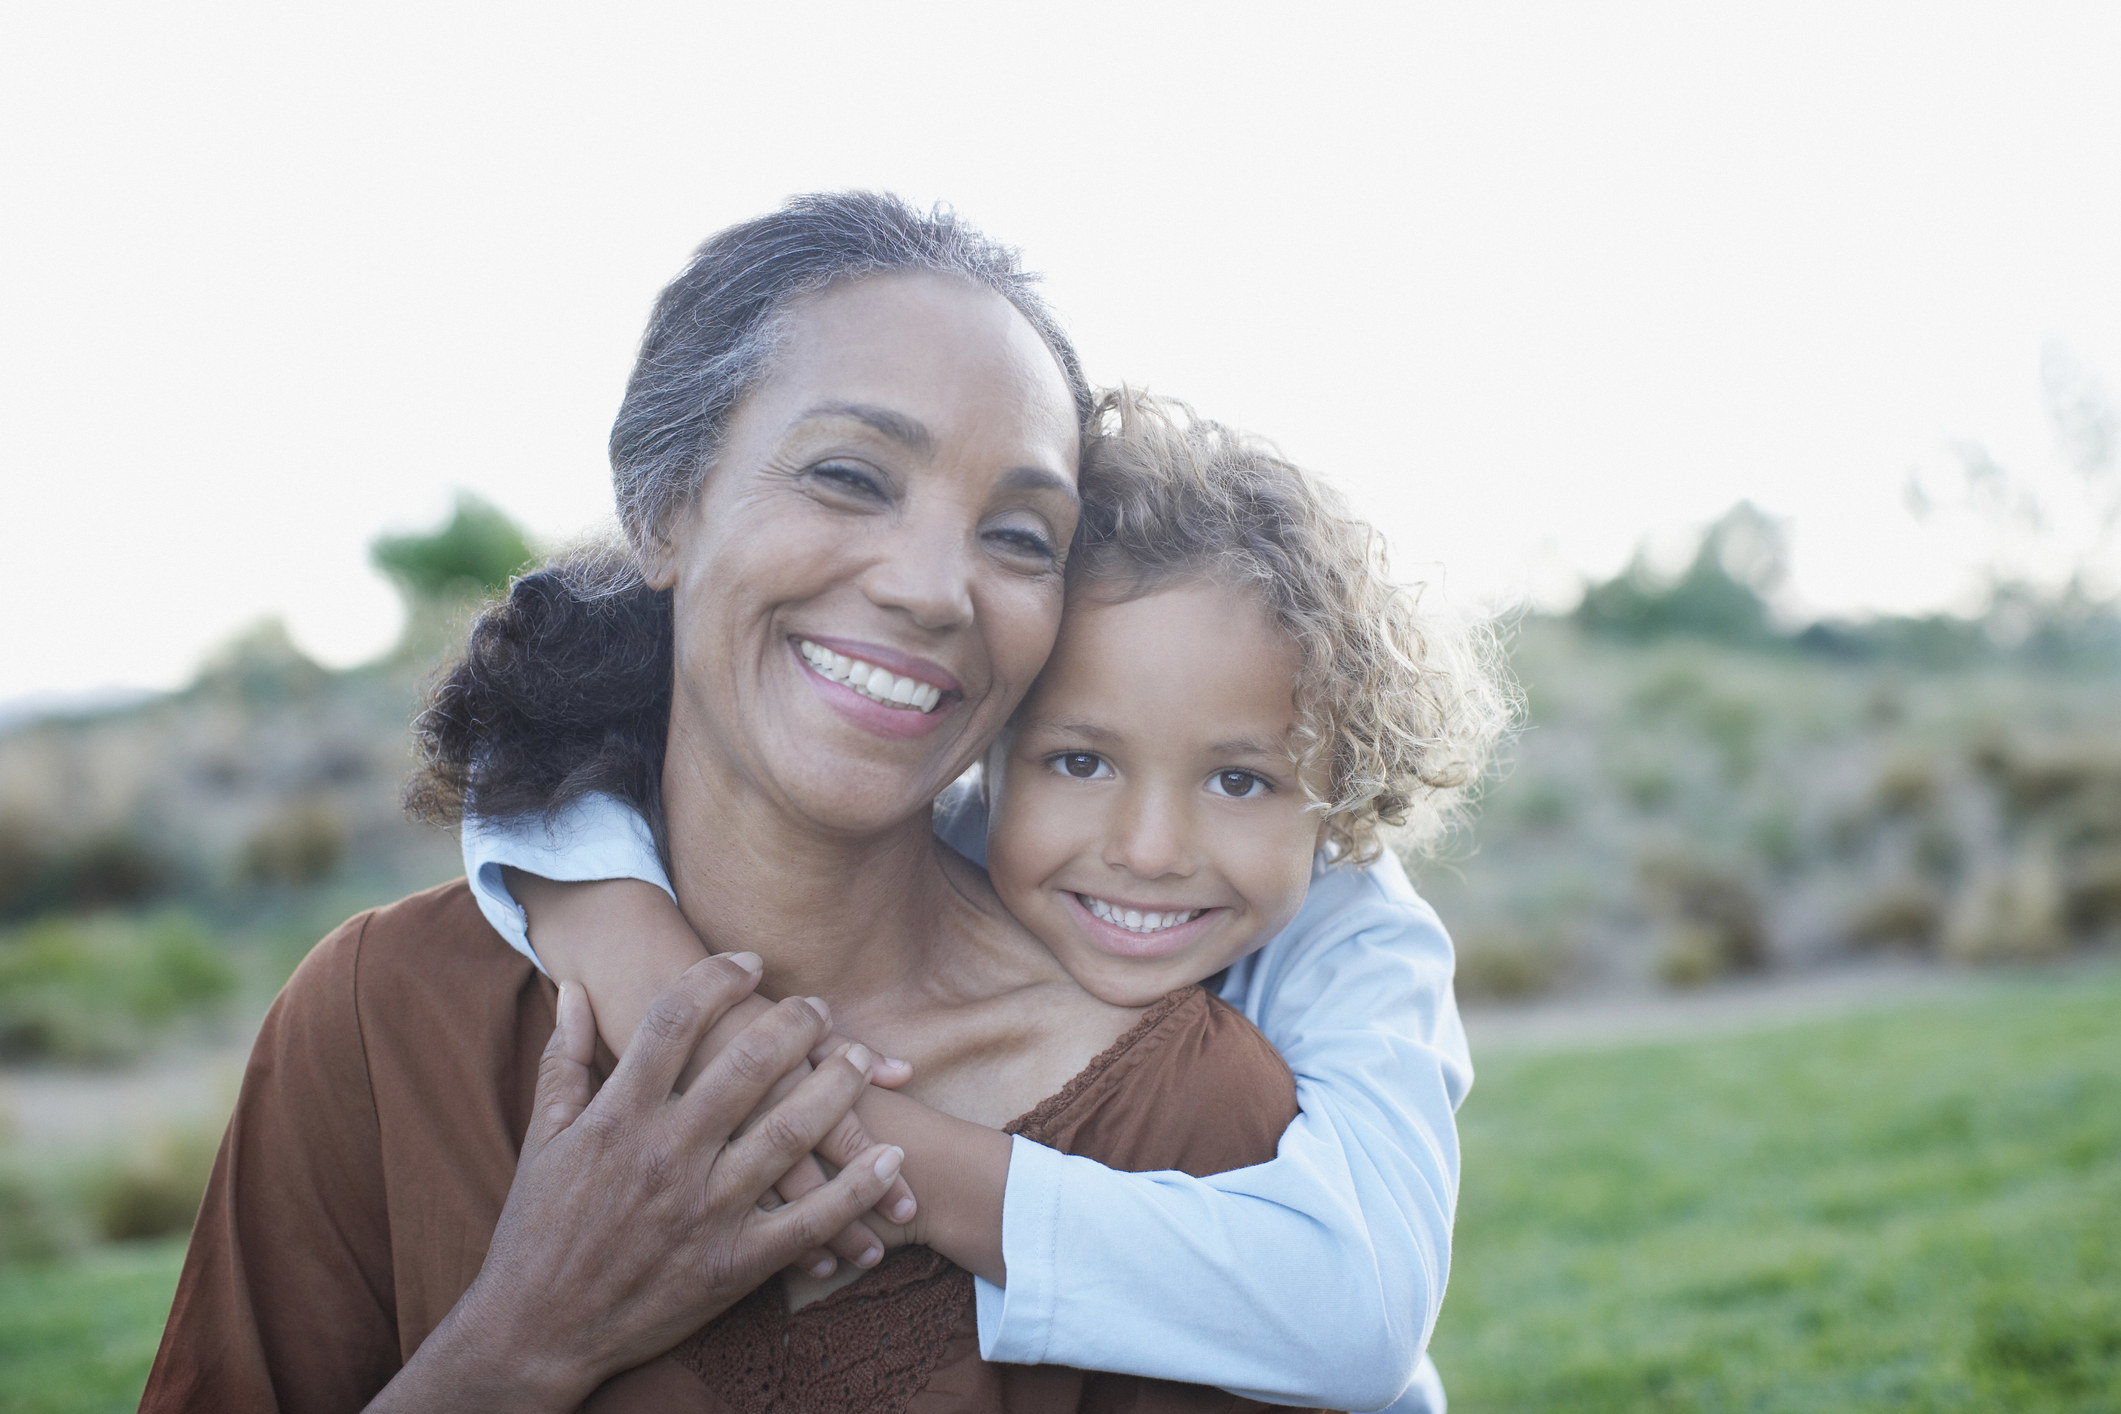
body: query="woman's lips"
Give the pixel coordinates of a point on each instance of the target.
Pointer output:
(853, 684)
(1127, 942)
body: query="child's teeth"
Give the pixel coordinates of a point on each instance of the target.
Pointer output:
(1134, 920)
(878, 684)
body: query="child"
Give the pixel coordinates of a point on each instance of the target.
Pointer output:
(1236, 702)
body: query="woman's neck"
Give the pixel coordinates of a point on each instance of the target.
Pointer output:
(832, 915)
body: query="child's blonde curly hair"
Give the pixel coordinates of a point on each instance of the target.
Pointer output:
(1397, 711)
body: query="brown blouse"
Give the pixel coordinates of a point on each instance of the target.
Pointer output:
(376, 1136)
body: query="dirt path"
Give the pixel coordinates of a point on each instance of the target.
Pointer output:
(1581, 1021)
(48, 1113)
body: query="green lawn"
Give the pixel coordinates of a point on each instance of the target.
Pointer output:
(77, 1337)
(1915, 1209)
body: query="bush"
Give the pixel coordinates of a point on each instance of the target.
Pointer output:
(1496, 964)
(1906, 915)
(300, 846)
(157, 1192)
(1718, 923)
(94, 989)
(109, 869)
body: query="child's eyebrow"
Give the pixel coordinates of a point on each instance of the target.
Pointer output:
(1250, 746)
(1071, 726)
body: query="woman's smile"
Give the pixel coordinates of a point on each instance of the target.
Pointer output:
(858, 680)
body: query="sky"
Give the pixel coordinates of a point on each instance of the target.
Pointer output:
(1535, 284)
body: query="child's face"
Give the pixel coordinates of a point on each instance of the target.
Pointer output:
(1148, 823)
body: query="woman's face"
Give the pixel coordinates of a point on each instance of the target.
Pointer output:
(870, 577)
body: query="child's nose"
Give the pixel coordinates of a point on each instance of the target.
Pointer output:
(1150, 837)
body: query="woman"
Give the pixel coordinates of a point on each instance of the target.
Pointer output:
(892, 426)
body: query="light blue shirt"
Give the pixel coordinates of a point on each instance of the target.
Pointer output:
(1314, 1278)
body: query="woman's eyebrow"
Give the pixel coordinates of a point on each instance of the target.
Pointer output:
(909, 432)
(1038, 478)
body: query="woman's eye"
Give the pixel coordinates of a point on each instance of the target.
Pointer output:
(1237, 783)
(1023, 541)
(1083, 765)
(850, 480)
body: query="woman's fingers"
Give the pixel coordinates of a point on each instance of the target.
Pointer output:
(565, 1085)
(740, 1076)
(648, 1073)
(781, 1135)
(855, 1243)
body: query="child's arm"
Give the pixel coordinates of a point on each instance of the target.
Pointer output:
(1314, 1278)
(959, 1168)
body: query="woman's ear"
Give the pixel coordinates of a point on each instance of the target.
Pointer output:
(657, 557)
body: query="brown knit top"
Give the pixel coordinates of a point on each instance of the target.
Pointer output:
(376, 1136)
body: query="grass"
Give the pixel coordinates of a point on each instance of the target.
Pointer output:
(1910, 1210)
(76, 1337)
(1916, 1209)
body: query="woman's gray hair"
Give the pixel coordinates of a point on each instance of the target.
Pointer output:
(715, 327)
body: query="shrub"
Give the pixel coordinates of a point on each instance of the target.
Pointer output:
(1510, 964)
(109, 869)
(1905, 914)
(157, 1191)
(93, 989)
(1719, 921)
(303, 844)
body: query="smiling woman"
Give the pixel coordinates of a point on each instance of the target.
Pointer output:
(847, 468)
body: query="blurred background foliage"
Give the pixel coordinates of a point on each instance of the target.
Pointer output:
(1710, 790)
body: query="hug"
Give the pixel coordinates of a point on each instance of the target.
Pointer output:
(929, 939)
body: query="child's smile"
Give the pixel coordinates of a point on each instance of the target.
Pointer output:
(1149, 825)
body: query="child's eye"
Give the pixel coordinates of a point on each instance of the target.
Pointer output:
(1237, 783)
(1082, 765)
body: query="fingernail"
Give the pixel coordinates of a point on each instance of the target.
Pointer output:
(817, 1004)
(823, 1269)
(858, 1056)
(887, 1162)
(749, 961)
(869, 1257)
(902, 1211)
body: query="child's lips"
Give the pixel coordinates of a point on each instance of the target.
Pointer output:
(1126, 942)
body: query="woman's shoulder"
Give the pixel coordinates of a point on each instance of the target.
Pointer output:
(1191, 1086)
(420, 987)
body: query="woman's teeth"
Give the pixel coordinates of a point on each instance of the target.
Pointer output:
(872, 682)
(1134, 920)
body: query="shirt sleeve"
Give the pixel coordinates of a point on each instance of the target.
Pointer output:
(285, 1301)
(1314, 1278)
(595, 837)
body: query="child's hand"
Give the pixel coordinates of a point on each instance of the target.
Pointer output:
(848, 1140)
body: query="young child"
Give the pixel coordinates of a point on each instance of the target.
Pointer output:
(1236, 703)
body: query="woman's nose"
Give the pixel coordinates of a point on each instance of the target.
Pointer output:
(1149, 837)
(926, 574)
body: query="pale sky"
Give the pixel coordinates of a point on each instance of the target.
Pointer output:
(1533, 283)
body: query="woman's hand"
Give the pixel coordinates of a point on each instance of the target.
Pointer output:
(634, 1217)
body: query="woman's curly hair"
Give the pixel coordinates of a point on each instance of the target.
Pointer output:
(1398, 711)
